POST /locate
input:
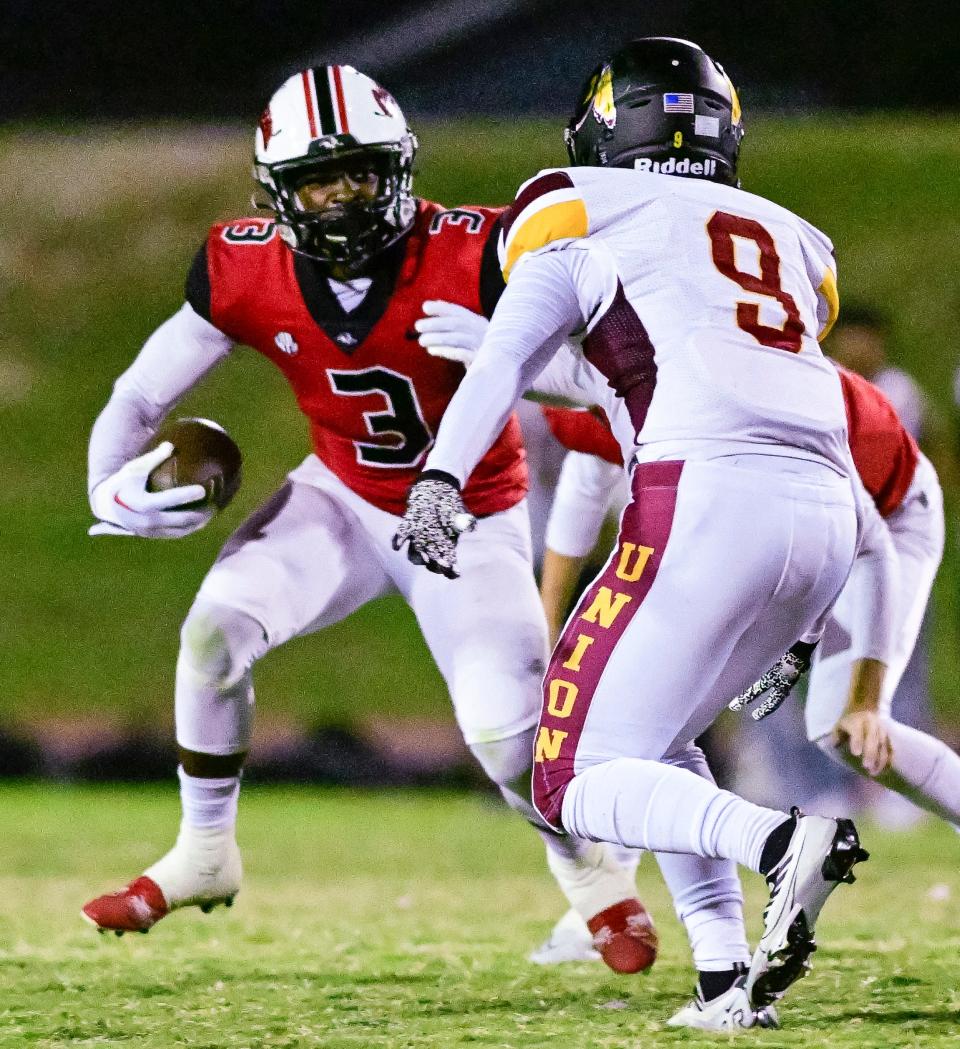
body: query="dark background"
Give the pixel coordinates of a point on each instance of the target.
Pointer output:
(220, 59)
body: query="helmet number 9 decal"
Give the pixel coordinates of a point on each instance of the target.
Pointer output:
(722, 228)
(401, 428)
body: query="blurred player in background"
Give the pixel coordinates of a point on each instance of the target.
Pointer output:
(329, 290)
(701, 306)
(861, 342)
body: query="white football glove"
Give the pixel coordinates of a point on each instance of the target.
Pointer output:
(123, 505)
(451, 331)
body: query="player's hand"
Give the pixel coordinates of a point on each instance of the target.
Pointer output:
(434, 520)
(123, 506)
(451, 331)
(864, 734)
(778, 682)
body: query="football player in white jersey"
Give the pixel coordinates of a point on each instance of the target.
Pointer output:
(702, 306)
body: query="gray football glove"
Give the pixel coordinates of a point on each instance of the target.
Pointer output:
(434, 520)
(778, 682)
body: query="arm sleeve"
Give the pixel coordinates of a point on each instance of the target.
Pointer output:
(539, 309)
(872, 585)
(580, 503)
(565, 378)
(197, 288)
(173, 360)
(491, 277)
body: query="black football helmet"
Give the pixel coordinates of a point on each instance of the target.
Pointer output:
(663, 105)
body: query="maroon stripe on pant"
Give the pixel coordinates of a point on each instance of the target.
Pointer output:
(603, 614)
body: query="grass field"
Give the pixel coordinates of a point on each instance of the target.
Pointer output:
(95, 256)
(377, 920)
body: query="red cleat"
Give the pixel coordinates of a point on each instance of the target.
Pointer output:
(135, 908)
(625, 936)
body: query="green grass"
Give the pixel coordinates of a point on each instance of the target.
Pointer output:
(396, 920)
(94, 257)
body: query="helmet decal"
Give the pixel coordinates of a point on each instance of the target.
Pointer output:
(386, 101)
(604, 109)
(266, 126)
(736, 113)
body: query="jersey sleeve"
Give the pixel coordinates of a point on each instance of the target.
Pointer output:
(821, 264)
(492, 283)
(582, 500)
(197, 286)
(548, 212)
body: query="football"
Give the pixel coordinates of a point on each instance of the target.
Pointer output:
(203, 453)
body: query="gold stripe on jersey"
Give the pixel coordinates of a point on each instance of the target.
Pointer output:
(564, 220)
(828, 291)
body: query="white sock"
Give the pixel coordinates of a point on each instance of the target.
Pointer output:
(209, 802)
(649, 805)
(706, 893)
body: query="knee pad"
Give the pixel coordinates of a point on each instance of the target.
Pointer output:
(220, 644)
(508, 761)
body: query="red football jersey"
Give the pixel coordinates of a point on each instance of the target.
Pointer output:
(373, 395)
(584, 430)
(884, 453)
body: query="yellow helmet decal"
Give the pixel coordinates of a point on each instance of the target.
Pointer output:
(735, 112)
(603, 108)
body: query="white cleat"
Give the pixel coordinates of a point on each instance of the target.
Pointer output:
(569, 941)
(203, 869)
(728, 1012)
(821, 855)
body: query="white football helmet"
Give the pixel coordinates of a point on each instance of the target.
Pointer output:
(324, 122)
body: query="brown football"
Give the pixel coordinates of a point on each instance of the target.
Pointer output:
(203, 453)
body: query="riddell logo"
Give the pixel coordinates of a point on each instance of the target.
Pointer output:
(677, 167)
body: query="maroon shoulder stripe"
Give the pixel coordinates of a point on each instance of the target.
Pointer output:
(554, 180)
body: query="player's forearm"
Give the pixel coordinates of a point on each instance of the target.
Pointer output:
(872, 589)
(557, 584)
(537, 311)
(866, 685)
(173, 360)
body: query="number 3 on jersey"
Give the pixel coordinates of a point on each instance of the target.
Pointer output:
(402, 422)
(722, 228)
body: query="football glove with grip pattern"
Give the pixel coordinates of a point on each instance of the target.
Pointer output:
(778, 682)
(434, 520)
(124, 506)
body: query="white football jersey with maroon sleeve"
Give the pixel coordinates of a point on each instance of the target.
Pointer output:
(713, 303)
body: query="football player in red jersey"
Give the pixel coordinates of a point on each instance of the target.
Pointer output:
(330, 290)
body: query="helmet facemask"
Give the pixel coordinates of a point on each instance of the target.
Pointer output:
(372, 208)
